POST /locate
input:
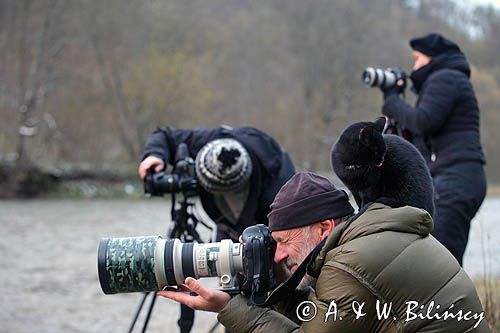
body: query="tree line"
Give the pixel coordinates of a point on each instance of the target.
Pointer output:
(85, 82)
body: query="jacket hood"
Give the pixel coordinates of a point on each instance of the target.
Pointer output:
(264, 148)
(379, 217)
(455, 60)
(376, 219)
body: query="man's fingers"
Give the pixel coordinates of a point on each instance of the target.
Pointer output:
(197, 287)
(142, 173)
(207, 299)
(149, 162)
(173, 295)
(177, 296)
(143, 168)
(184, 288)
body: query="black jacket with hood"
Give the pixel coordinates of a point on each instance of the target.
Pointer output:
(445, 121)
(272, 167)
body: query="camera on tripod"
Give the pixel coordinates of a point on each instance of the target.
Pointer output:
(151, 263)
(182, 179)
(138, 264)
(376, 77)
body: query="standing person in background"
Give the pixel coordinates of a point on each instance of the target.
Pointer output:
(445, 128)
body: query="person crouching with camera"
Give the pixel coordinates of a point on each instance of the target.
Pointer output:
(240, 170)
(355, 265)
(445, 128)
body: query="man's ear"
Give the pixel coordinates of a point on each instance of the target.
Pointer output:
(326, 227)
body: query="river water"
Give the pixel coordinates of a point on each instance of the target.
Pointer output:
(48, 275)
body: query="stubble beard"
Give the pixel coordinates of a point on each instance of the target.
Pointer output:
(309, 245)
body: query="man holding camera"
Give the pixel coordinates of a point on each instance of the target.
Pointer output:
(444, 125)
(240, 170)
(366, 273)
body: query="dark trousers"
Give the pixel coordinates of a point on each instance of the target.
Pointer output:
(459, 192)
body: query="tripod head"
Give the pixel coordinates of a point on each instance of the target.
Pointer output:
(182, 181)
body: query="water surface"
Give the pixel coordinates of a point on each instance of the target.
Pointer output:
(49, 271)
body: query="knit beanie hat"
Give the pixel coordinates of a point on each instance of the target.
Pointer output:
(306, 199)
(433, 45)
(223, 165)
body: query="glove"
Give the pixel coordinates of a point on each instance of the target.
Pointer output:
(400, 85)
(392, 90)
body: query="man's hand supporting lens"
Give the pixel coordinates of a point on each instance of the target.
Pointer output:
(203, 298)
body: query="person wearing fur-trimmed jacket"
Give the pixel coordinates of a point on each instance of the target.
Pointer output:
(444, 126)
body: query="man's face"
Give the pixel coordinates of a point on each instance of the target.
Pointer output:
(420, 60)
(293, 245)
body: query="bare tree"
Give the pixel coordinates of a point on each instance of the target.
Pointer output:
(31, 71)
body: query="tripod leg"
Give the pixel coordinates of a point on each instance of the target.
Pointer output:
(139, 309)
(186, 320)
(151, 306)
(215, 327)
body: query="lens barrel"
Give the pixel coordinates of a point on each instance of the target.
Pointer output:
(138, 264)
(376, 77)
(161, 183)
(127, 264)
(369, 76)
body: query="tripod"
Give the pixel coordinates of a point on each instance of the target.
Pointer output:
(183, 227)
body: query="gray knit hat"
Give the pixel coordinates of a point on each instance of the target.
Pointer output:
(223, 165)
(305, 199)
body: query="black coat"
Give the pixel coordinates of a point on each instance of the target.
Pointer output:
(272, 166)
(445, 121)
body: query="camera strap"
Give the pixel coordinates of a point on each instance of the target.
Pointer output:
(289, 286)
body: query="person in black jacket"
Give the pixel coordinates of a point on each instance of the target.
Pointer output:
(444, 126)
(240, 171)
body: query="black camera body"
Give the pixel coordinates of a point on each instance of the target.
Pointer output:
(182, 179)
(258, 262)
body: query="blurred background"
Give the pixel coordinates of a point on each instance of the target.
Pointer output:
(83, 84)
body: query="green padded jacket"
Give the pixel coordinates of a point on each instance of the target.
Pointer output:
(388, 274)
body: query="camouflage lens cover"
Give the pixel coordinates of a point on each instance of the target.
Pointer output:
(127, 264)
